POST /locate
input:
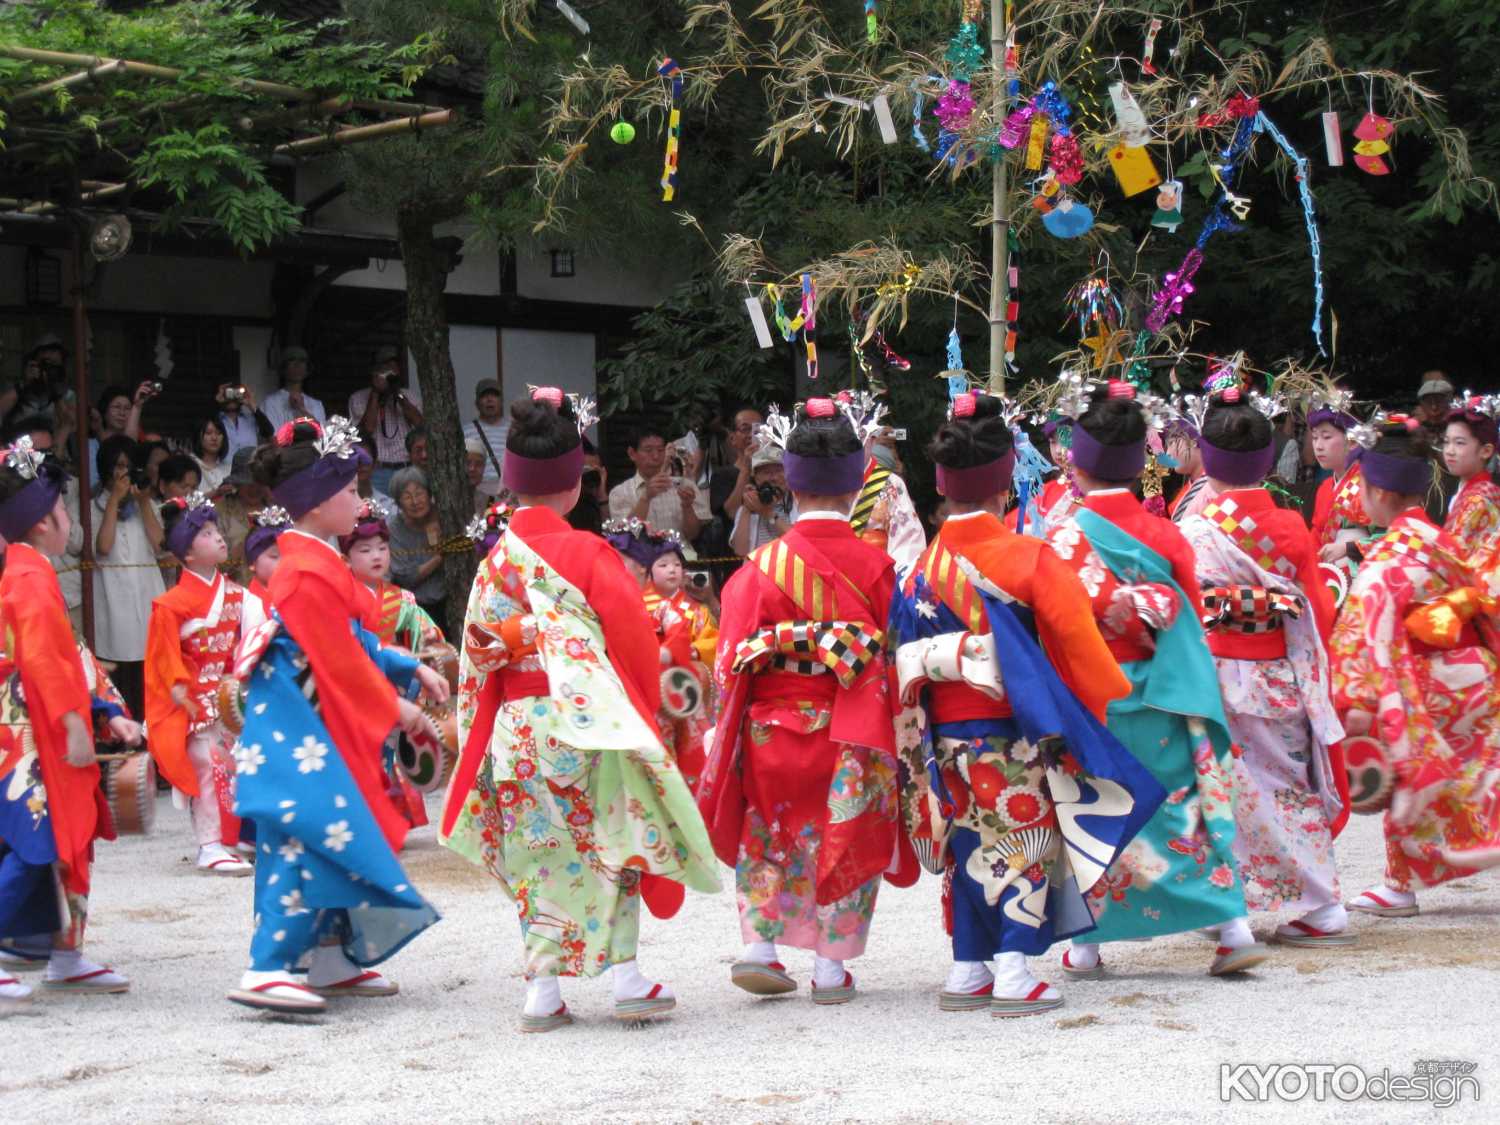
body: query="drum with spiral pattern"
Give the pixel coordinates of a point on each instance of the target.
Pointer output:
(425, 758)
(232, 705)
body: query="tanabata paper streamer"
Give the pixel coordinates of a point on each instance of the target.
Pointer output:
(809, 317)
(917, 103)
(758, 321)
(1030, 471)
(1309, 216)
(1013, 290)
(955, 350)
(872, 24)
(1132, 166)
(1373, 132)
(1152, 30)
(670, 69)
(1333, 139)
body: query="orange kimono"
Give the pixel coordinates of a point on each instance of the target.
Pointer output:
(50, 812)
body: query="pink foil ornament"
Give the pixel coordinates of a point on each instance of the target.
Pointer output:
(956, 107)
(1065, 159)
(1017, 127)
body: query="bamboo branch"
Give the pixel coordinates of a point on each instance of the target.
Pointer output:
(104, 70)
(366, 133)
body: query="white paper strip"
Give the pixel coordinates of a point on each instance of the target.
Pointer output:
(572, 16)
(885, 120)
(844, 99)
(1333, 139)
(758, 318)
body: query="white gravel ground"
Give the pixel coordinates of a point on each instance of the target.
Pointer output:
(1144, 1045)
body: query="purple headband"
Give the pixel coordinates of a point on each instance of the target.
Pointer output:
(825, 476)
(1323, 416)
(325, 477)
(32, 504)
(1241, 467)
(1107, 462)
(640, 545)
(977, 482)
(260, 540)
(368, 527)
(543, 476)
(1407, 476)
(185, 530)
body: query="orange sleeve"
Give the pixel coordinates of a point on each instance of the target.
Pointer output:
(51, 661)
(165, 720)
(1070, 635)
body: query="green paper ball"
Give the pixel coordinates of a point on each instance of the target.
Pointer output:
(622, 133)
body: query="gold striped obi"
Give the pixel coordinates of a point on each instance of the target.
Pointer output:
(845, 648)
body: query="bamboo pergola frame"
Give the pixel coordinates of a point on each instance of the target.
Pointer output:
(305, 124)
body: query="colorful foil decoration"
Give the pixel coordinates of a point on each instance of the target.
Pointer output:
(872, 24)
(670, 69)
(955, 108)
(808, 316)
(965, 53)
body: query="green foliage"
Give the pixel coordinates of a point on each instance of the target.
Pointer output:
(204, 136)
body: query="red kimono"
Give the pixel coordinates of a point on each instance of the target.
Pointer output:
(183, 648)
(1339, 506)
(1474, 522)
(800, 790)
(39, 645)
(317, 597)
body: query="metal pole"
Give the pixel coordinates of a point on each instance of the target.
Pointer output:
(81, 437)
(999, 211)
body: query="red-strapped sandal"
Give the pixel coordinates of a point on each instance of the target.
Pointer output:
(1302, 935)
(1095, 973)
(367, 983)
(280, 996)
(966, 1001)
(761, 979)
(533, 1025)
(18, 993)
(838, 994)
(1371, 903)
(644, 1007)
(102, 980)
(1236, 959)
(1034, 1003)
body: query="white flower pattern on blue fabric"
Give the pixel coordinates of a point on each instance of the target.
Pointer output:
(249, 759)
(310, 755)
(337, 836)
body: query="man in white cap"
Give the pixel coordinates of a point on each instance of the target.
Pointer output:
(291, 401)
(489, 429)
(1433, 401)
(765, 511)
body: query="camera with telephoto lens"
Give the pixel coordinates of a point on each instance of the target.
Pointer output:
(770, 495)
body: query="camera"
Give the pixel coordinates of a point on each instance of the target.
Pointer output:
(896, 435)
(769, 494)
(590, 481)
(152, 387)
(140, 477)
(698, 579)
(234, 394)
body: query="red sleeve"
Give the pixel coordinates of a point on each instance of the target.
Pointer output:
(629, 637)
(358, 703)
(1300, 548)
(1179, 552)
(167, 722)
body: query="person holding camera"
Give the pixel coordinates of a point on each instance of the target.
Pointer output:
(44, 381)
(387, 415)
(127, 537)
(593, 493)
(245, 427)
(292, 401)
(765, 511)
(658, 494)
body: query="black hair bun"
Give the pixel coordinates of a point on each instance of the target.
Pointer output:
(540, 428)
(1234, 425)
(275, 463)
(1397, 439)
(978, 439)
(1114, 420)
(824, 435)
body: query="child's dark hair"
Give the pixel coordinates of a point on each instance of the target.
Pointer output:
(1398, 440)
(540, 430)
(171, 516)
(1236, 426)
(962, 443)
(1113, 421)
(275, 464)
(831, 436)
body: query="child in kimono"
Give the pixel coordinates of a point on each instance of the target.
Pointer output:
(190, 643)
(1015, 790)
(800, 789)
(1269, 615)
(331, 899)
(564, 790)
(1469, 445)
(262, 556)
(51, 806)
(1414, 665)
(1178, 873)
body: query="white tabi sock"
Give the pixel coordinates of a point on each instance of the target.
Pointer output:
(1083, 954)
(329, 966)
(543, 997)
(761, 952)
(827, 973)
(1236, 934)
(66, 963)
(1333, 918)
(12, 989)
(968, 976)
(1013, 981)
(631, 985)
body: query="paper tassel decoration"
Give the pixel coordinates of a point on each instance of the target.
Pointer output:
(670, 69)
(1333, 139)
(1369, 155)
